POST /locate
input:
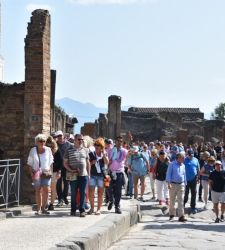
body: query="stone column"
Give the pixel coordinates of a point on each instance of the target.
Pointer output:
(114, 116)
(37, 99)
(37, 95)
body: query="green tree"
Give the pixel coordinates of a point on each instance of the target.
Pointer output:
(219, 112)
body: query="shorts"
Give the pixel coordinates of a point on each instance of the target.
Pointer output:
(137, 177)
(42, 182)
(96, 181)
(218, 197)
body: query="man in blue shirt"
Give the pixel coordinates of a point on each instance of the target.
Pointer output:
(176, 179)
(192, 175)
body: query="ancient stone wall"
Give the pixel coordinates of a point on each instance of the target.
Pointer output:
(89, 129)
(12, 120)
(213, 129)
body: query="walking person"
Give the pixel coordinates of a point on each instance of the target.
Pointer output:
(176, 179)
(217, 185)
(40, 162)
(204, 173)
(57, 165)
(62, 183)
(153, 158)
(138, 166)
(76, 162)
(202, 161)
(98, 161)
(192, 168)
(160, 169)
(117, 158)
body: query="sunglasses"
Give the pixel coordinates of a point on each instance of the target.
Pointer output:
(41, 141)
(79, 139)
(97, 145)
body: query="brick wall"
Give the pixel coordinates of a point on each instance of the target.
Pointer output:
(12, 120)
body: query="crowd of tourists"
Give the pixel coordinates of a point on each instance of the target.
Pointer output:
(58, 163)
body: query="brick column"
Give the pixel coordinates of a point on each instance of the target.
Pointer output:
(37, 96)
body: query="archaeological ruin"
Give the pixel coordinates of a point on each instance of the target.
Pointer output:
(185, 125)
(28, 108)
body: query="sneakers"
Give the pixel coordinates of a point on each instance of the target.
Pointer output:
(217, 220)
(90, 212)
(182, 219)
(118, 210)
(72, 213)
(110, 205)
(98, 212)
(205, 207)
(200, 199)
(51, 207)
(222, 217)
(60, 203)
(82, 214)
(66, 201)
(194, 210)
(171, 217)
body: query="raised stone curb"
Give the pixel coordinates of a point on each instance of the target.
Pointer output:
(15, 211)
(104, 233)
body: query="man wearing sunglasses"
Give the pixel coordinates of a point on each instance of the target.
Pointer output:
(217, 185)
(76, 161)
(117, 157)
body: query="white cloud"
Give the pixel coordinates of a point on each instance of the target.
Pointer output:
(31, 7)
(109, 2)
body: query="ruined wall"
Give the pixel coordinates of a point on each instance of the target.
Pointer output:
(12, 120)
(213, 129)
(88, 129)
(143, 126)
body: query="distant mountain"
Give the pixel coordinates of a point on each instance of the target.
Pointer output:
(84, 112)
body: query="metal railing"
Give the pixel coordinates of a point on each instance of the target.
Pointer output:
(9, 182)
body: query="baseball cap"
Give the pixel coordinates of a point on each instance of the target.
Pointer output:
(190, 152)
(58, 133)
(218, 162)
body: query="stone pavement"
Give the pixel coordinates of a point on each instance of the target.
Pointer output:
(60, 231)
(154, 231)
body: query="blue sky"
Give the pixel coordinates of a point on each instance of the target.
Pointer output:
(153, 53)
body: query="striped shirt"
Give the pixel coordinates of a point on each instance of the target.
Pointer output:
(77, 159)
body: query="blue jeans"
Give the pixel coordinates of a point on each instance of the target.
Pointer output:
(80, 184)
(130, 184)
(115, 189)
